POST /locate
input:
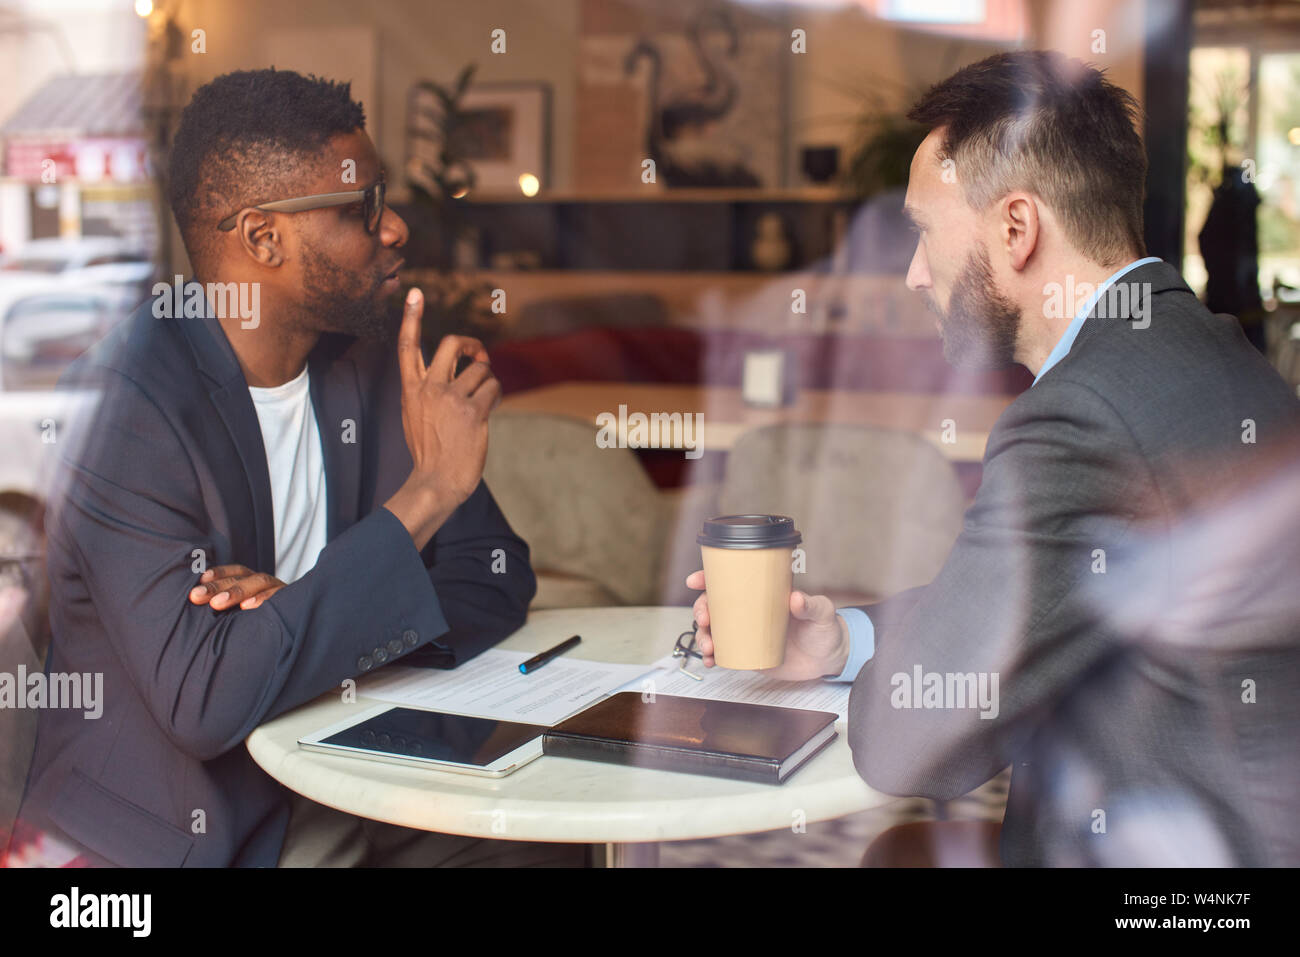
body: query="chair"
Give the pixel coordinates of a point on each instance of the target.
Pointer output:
(592, 518)
(936, 844)
(1286, 355)
(686, 510)
(24, 640)
(879, 510)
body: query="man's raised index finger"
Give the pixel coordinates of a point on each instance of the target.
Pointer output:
(410, 358)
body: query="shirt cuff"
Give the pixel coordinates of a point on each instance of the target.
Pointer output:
(862, 642)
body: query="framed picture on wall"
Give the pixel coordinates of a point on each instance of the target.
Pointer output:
(702, 89)
(505, 135)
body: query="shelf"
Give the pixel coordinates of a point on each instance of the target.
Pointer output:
(875, 304)
(658, 194)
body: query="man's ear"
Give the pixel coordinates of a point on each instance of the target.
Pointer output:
(259, 238)
(1019, 227)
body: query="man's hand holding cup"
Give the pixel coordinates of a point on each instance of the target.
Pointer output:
(749, 617)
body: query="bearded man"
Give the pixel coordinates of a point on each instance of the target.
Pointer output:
(1123, 587)
(271, 500)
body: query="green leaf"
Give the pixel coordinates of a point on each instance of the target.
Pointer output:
(462, 82)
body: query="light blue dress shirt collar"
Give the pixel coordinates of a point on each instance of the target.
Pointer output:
(1062, 347)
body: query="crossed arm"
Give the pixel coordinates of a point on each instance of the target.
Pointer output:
(122, 534)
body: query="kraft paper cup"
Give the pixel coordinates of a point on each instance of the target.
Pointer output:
(747, 578)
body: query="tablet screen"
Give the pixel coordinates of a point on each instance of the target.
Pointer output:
(435, 736)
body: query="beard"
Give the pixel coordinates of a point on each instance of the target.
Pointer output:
(341, 300)
(981, 324)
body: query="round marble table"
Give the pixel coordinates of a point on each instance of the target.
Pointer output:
(564, 799)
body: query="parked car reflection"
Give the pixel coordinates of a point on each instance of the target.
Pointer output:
(84, 260)
(41, 334)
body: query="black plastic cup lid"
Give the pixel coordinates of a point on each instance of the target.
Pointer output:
(749, 531)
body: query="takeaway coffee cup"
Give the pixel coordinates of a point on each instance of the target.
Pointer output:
(747, 578)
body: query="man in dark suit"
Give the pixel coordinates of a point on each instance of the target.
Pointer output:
(1148, 704)
(271, 498)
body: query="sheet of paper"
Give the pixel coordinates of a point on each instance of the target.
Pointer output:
(720, 684)
(491, 686)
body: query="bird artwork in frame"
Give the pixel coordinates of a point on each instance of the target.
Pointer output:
(695, 100)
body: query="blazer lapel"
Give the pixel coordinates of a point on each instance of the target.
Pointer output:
(336, 399)
(247, 489)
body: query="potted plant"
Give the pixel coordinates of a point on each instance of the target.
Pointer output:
(440, 177)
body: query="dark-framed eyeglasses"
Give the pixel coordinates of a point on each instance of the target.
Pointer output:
(372, 199)
(685, 650)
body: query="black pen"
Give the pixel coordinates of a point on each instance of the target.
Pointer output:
(532, 664)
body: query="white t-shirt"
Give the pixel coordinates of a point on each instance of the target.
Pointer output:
(297, 470)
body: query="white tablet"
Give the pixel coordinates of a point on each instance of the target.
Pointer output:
(431, 739)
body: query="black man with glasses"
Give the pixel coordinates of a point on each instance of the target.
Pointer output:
(263, 512)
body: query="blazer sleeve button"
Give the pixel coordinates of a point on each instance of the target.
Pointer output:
(410, 637)
(364, 663)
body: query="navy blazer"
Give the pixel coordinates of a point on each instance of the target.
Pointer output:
(173, 464)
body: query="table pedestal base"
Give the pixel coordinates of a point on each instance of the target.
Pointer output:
(623, 855)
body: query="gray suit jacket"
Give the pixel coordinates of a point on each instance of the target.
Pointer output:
(1126, 575)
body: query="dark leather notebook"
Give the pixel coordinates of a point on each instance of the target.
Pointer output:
(728, 739)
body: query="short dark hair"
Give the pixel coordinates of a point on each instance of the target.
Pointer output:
(1040, 121)
(244, 138)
